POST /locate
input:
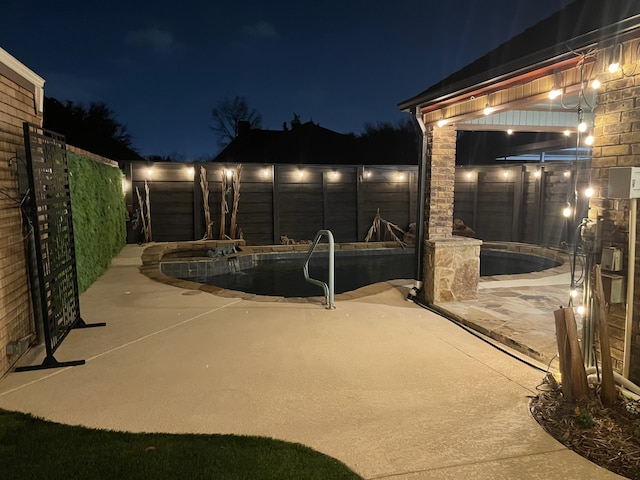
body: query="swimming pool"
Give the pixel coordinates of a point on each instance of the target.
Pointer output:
(280, 274)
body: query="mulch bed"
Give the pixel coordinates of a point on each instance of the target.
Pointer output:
(609, 437)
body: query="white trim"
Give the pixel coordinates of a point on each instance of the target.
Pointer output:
(26, 78)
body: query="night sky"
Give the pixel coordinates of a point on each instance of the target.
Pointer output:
(161, 66)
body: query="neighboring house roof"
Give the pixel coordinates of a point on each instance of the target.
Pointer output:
(581, 25)
(306, 143)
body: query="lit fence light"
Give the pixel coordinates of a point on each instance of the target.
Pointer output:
(505, 173)
(190, 171)
(149, 172)
(469, 175)
(228, 173)
(265, 172)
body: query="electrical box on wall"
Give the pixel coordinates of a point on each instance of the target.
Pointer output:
(614, 288)
(611, 259)
(624, 182)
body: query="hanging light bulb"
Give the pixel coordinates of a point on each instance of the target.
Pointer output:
(580, 310)
(589, 140)
(574, 293)
(567, 133)
(510, 131)
(588, 192)
(582, 127)
(596, 84)
(567, 211)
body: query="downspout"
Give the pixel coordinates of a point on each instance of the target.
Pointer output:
(631, 263)
(422, 168)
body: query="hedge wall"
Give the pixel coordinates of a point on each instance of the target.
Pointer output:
(99, 216)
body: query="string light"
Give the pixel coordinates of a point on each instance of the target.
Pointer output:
(589, 140)
(588, 192)
(566, 212)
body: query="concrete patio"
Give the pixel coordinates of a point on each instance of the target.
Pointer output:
(391, 389)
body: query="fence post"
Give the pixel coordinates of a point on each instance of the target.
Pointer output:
(198, 206)
(276, 204)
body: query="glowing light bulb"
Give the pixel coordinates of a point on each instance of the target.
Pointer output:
(264, 172)
(149, 172)
(613, 67)
(300, 173)
(580, 309)
(596, 84)
(488, 110)
(567, 133)
(191, 171)
(510, 131)
(505, 173)
(574, 293)
(588, 192)
(536, 173)
(589, 140)
(555, 93)
(469, 174)
(582, 127)
(566, 212)
(442, 122)
(567, 173)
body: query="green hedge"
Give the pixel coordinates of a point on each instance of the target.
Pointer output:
(99, 216)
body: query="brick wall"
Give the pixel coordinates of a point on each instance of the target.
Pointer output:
(440, 179)
(617, 143)
(17, 105)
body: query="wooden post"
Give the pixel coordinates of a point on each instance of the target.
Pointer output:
(224, 207)
(236, 201)
(608, 392)
(574, 377)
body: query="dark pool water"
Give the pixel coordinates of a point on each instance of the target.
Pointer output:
(284, 277)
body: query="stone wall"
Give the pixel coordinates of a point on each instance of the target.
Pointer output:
(19, 102)
(616, 144)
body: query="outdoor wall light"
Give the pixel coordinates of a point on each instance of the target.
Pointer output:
(300, 174)
(567, 173)
(149, 172)
(555, 93)
(228, 173)
(588, 192)
(335, 175)
(505, 173)
(367, 174)
(510, 131)
(190, 171)
(567, 133)
(556, 90)
(469, 175)
(264, 173)
(400, 176)
(616, 58)
(488, 110)
(125, 185)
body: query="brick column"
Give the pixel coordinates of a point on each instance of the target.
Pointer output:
(451, 264)
(617, 144)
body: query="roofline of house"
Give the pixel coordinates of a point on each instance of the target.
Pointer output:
(17, 72)
(602, 38)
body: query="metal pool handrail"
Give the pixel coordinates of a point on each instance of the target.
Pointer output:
(329, 290)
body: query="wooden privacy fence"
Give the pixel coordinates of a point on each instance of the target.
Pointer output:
(299, 200)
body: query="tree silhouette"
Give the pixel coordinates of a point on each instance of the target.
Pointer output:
(92, 128)
(228, 114)
(386, 142)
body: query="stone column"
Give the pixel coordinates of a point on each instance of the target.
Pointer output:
(451, 264)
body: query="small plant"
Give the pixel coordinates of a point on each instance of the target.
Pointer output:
(584, 419)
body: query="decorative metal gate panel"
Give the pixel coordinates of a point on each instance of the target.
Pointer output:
(52, 223)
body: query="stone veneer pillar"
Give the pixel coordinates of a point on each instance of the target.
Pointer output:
(617, 144)
(451, 264)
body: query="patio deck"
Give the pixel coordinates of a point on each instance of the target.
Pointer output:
(393, 390)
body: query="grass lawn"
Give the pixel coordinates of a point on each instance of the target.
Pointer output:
(34, 448)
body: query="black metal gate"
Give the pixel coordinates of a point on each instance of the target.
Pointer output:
(52, 223)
